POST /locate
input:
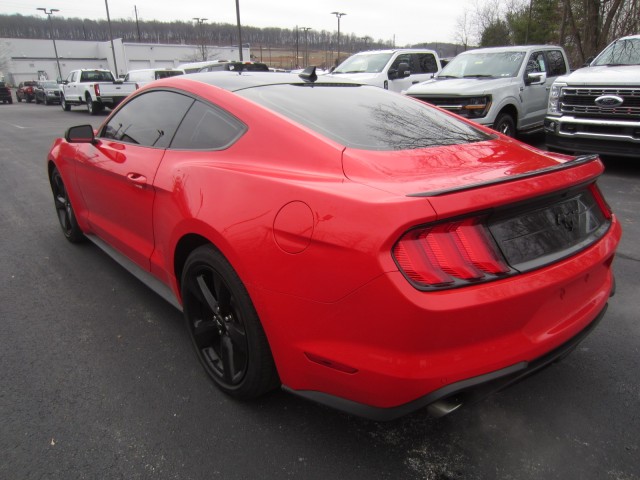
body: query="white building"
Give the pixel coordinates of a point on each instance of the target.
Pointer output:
(34, 59)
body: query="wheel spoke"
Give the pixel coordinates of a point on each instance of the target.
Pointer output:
(237, 335)
(207, 295)
(228, 362)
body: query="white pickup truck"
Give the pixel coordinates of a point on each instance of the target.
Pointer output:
(94, 88)
(395, 70)
(596, 109)
(506, 88)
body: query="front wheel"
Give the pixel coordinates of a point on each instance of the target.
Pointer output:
(224, 327)
(505, 124)
(63, 103)
(66, 216)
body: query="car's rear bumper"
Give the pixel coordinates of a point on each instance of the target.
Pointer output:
(449, 398)
(388, 349)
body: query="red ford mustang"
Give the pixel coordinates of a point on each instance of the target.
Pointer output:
(357, 247)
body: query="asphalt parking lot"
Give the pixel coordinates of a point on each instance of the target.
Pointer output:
(99, 381)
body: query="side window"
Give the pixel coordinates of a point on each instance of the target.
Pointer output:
(207, 128)
(404, 58)
(423, 63)
(556, 63)
(149, 120)
(536, 63)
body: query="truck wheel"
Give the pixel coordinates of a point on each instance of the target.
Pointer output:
(65, 106)
(505, 125)
(93, 107)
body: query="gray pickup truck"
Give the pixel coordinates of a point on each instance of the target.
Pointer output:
(506, 88)
(93, 88)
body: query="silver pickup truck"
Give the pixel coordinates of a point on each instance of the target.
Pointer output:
(596, 109)
(93, 88)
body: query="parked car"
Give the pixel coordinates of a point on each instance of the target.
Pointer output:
(237, 67)
(394, 70)
(26, 91)
(597, 109)
(47, 92)
(5, 93)
(146, 75)
(357, 247)
(506, 88)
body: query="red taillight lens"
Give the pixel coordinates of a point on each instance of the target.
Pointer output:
(96, 88)
(449, 255)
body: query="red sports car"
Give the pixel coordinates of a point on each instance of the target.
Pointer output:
(357, 247)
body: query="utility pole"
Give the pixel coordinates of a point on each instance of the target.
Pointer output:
(239, 27)
(113, 50)
(200, 23)
(55, 49)
(137, 23)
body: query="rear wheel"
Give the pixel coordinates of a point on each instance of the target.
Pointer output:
(46, 100)
(66, 216)
(224, 327)
(19, 99)
(505, 124)
(93, 107)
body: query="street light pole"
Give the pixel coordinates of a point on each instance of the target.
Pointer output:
(306, 45)
(200, 22)
(239, 27)
(338, 15)
(113, 49)
(55, 49)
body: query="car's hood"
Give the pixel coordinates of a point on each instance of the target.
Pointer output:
(438, 169)
(620, 75)
(458, 86)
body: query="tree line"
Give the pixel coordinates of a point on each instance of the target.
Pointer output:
(582, 27)
(179, 32)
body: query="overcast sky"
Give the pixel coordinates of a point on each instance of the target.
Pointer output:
(411, 21)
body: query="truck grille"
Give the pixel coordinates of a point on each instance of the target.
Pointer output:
(580, 102)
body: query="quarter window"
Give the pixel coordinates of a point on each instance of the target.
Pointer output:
(150, 119)
(207, 128)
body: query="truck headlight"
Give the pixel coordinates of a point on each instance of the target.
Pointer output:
(554, 98)
(476, 107)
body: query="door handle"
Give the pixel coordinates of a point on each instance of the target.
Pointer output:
(137, 179)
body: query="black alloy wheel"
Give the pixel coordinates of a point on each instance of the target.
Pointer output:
(224, 327)
(66, 217)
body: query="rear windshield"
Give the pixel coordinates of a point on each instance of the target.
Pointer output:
(365, 117)
(167, 73)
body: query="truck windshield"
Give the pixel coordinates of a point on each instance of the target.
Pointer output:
(621, 52)
(364, 63)
(479, 65)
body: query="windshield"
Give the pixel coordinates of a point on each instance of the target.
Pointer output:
(49, 85)
(364, 63)
(621, 52)
(167, 73)
(492, 64)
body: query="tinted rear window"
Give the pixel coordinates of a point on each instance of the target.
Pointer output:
(365, 117)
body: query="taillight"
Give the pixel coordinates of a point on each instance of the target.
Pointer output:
(96, 89)
(449, 255)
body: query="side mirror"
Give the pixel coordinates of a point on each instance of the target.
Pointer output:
(80, 134)
(535, 78)
(401, 72)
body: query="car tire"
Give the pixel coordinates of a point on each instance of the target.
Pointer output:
(29, 99)
(46, 100)
(66, 215)
(224, 327)
(65, 106)
(18, 98)
(505, 124)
